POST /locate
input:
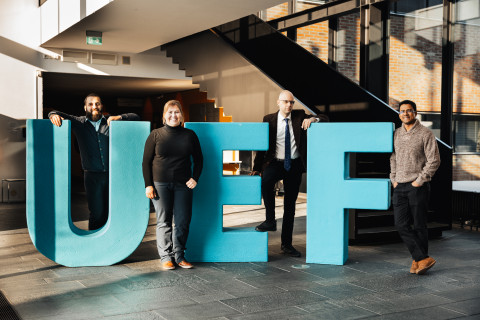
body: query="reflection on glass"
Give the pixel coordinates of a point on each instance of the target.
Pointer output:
(466, 91)
(416, 54)
(314, 38)
(348, 49)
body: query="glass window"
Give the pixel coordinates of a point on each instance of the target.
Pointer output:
(466, 130)
(314, 38)
(466, 133)
(466, 79)
(431, 121)
(416, 54)
(348, 46)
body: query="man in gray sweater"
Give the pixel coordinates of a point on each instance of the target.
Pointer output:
(414, 161)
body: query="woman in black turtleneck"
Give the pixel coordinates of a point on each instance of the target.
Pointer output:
(169, 180)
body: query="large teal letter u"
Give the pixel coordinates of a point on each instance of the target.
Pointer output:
(48, 196)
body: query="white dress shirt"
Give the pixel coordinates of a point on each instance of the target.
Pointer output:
(280, 150)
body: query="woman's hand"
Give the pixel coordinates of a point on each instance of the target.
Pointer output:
(150, 192)
(191, 183)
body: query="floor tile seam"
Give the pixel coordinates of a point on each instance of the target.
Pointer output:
(360, 307)
(437, 294)
(456, 311)
(399, 312)
(405, 299)
(200, 292)
(316, 293)
(348, 267)
(311, 274)
(271, 266)
(370, 291)
(155, 312)
(223, 303)
(246, 283)
(458, 301)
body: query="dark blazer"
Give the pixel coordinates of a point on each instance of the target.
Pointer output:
(263, 158)
(93, 145)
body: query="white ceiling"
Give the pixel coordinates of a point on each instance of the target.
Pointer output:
(81, 84)
(138, 25)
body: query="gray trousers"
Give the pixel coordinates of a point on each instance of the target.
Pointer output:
(174, 201)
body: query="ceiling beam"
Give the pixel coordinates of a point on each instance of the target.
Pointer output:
(320, 13)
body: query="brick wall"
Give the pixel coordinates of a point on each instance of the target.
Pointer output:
(348, 51)
(415, 65)
(277, 12)
(466, 167)
(466, 77)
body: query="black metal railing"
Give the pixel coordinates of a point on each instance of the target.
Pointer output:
(323, 89)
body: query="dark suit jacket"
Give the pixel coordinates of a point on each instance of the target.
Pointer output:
(263, 158)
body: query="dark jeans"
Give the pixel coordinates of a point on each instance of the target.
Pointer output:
(174, 201)
(291, 184)
(96, 187)
(410, 206)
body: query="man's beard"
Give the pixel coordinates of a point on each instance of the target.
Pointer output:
(95, 117)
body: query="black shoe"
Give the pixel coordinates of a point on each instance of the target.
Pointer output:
(267, 226)
(291, 251)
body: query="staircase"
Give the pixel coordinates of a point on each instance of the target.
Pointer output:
(321, 89)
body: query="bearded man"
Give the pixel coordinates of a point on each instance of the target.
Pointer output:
(92, 132)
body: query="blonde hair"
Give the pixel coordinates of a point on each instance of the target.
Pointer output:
(173, 103)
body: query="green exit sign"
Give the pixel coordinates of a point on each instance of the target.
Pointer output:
(94, 38)
(94, 41)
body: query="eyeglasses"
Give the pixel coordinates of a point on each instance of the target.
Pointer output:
(286, 101)
(407, 111)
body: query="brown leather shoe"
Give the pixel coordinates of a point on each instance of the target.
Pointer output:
(185, 264)
(414, 267)
(168, 265)
(425, 264)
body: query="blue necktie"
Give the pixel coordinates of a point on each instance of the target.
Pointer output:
(288, 150)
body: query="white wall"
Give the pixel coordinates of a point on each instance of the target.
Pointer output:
(21, 57)
(240, 88)
(59, 15)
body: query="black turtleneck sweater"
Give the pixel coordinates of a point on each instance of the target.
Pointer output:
(167, 153)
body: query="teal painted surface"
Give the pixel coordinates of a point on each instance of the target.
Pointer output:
(48, 196)
(208, 241)
(330, 189)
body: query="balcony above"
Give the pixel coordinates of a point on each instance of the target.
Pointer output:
(136, 26)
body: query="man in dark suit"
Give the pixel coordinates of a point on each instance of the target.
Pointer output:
(285, 160)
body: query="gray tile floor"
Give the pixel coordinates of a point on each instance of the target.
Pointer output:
(375, 282)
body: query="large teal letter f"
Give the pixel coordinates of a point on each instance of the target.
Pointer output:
(330, 189)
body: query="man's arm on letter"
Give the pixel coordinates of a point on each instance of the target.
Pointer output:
(125, 117)
(130, 117)
(62, 115)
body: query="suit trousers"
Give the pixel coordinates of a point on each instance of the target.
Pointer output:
(96, 188)
(410, 205)
(291, 183)
(174, 201)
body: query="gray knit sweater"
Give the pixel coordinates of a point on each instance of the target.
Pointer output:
(415, 155)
